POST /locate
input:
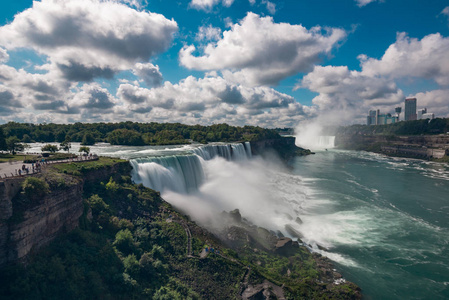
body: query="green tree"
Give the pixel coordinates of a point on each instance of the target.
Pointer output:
(13, 144)
(3, 145)
(88, 139)
(26, 138)
(66, 145)
(125, 137)
(124, 241)
(84, 149)
(49, 148)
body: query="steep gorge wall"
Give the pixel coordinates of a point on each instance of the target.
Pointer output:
(25, 228)
(419, 146)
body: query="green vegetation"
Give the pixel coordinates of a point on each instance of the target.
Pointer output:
(14, 145)
(49, 148)
(7, 157)
(132, 133)
(79, 168)
(35, 188)
(84, 149)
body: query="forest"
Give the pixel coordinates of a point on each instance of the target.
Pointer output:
(129, 133)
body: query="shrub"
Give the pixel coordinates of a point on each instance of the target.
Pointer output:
(35, 188)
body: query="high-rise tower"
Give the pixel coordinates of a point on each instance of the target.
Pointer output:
(410, 109)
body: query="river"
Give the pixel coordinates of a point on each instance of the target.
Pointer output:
(383, 221)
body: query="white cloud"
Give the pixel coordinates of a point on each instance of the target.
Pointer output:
(207, 5)
(436, 101)
(212, 99)
(4, 57)
(258, 51)
(271, 7)
(85, 39)
(208, 33)
(252, 2)
(227, 3)
(350, 94)
(445, 12)
(412, 58)
(361, 3)
(149, 73)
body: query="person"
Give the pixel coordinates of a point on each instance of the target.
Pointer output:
(20, 172)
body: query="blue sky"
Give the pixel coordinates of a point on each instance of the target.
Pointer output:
(259, 62)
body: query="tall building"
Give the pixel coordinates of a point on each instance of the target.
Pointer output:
(410, 109)
(371, 119)
(421, 112)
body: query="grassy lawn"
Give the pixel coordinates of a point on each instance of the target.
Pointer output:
(6, 157)
(77, 168)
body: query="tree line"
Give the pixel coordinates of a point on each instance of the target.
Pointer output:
(13, 134)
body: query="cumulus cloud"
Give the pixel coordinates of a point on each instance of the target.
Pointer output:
(258, 51)
(8, 101)
(4, 57)
(213, 99)
(207, 5)
(412, 58)
(93, 98)
(85, 39)
(350, 94)
(149, 73)
(436, 101)
(208, 33)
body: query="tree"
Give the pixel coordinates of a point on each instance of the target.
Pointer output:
(3, 145)
(66, 145)
(49, 148)
(13, 144)
(84, 149)
(88, 139)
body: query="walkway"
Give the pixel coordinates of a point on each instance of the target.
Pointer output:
(11, 169)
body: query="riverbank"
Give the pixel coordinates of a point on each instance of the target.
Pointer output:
(428, 147)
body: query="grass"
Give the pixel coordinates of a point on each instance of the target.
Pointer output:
(78, 168)
(7, 157)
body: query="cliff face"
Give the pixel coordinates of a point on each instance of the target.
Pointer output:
(421, 146)
(28, 225)
(285, 147)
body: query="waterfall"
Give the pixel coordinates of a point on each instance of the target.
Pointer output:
(184, 173)
(316, 142)
(326, 141)
(179, 173)
(227, 151)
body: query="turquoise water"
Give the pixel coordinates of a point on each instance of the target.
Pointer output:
(385, 221)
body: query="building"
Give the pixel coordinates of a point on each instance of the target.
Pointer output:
(410, 109)
(421, 112)
(430, 116)
(376, 118)
(371, 119)
(398, 111)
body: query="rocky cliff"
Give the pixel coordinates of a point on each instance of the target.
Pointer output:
(419, 146)
(26, 225)
(285, 147)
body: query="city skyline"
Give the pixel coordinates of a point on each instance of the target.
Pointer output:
(256, 62)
